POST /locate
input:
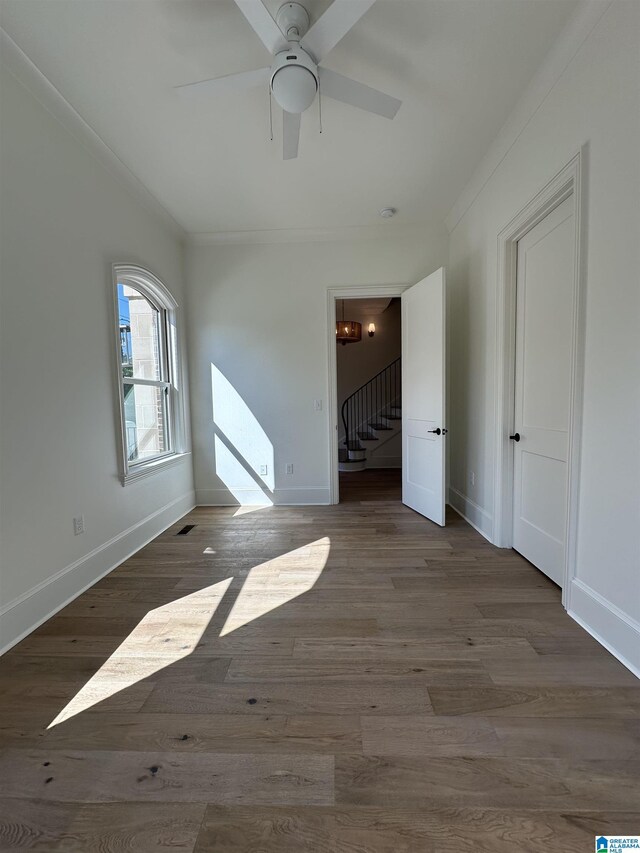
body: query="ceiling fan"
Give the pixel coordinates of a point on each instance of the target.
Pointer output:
(295, 76)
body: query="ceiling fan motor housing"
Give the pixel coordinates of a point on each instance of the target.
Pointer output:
(294, 79)
(293, 20)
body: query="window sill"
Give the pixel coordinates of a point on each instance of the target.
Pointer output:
(139, 472)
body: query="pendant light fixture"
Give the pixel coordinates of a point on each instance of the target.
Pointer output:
(348, 331)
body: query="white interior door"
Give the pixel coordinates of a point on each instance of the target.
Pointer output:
(544, 330)
(423, 397)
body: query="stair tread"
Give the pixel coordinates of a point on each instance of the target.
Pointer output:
(379, 426)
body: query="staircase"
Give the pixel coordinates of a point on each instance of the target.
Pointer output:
(371, 416)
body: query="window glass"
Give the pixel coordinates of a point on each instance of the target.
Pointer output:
(140, 335)
(146, 424)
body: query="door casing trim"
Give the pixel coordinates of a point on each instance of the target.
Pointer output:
(569, 181)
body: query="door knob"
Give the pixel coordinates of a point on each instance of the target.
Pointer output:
(437, 431)
(515, 437)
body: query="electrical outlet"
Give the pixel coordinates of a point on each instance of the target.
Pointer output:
(289, 468)
(472, 478)
(78, 525)
(317, 405)
(263, 470)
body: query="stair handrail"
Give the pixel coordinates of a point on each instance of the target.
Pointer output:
(385, 402)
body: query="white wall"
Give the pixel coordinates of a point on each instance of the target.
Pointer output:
(65, 219)
(596, 101)
(259, 314)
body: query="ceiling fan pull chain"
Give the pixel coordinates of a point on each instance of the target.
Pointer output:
(270, 115)
(319, 105)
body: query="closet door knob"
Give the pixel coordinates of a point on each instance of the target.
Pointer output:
(515, 437)
(437, 431)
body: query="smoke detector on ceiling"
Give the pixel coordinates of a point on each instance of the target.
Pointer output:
(388, 212)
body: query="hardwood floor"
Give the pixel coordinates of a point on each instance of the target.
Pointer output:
(347, 679)
(382, 484)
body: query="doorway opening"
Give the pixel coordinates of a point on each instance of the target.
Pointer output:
(377, 304)
(369, 398)
(422, 392)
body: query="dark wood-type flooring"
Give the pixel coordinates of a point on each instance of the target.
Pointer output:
(348, 679)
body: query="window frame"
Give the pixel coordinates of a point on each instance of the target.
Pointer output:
(170, 360)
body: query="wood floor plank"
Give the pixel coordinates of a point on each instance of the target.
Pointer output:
(557, 669)
(102, 776)
(592, 738)
(43, 671)
(280, 627)
(219, 733)
(87, 626)
(164, 642)
(88, 828)
(579, 643)
(430, 735)
(466, 580)
(531, 629)
(278, 698)
(51, 698)
(439, 648)
(548, 611)
(571, 702)
(387, 830)
(299, 670)
(556, 784)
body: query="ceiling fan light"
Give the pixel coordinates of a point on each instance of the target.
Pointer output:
(294, 88)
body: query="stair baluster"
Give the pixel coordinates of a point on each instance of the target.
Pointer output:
(371, 406)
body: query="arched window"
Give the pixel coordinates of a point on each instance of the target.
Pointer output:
(147, 360)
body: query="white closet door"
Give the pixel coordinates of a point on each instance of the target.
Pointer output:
(544, 329)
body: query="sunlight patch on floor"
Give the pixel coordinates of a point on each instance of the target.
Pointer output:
(164, 636)
(244, 510)
(276, 582)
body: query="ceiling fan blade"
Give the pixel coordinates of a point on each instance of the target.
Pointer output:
(349, 91)
(336, 22)
(229, 83)
(265, 27)
(290, 134)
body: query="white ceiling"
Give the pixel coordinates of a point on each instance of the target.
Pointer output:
(458, 66)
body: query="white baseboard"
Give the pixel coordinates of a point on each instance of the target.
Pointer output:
(610, 626)
(24, 614)
(256, 497)
(473, 514)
